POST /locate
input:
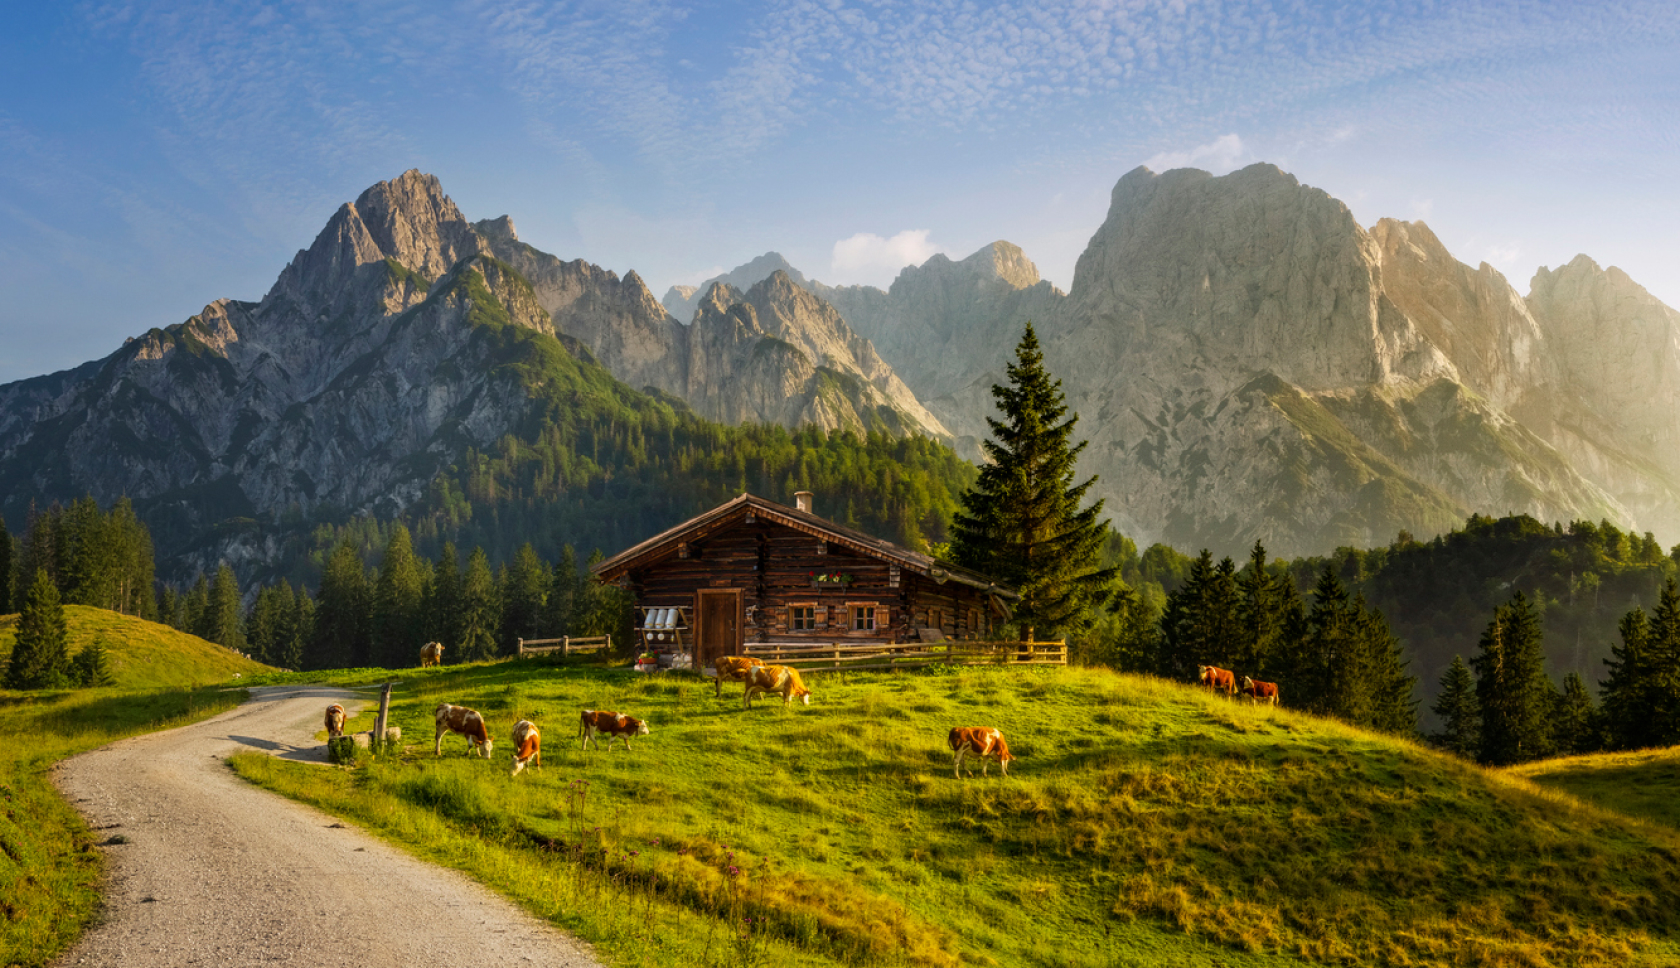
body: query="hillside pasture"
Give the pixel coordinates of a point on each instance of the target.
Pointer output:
(143, 655)
(1639, 783)
(1143, 823)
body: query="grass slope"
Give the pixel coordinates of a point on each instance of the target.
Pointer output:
(144, 655)
(49, 869)
(1641, 783)
(1143, 824)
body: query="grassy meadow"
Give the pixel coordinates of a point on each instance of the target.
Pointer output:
(1143, 823)
(49, 870)
(1641, 783)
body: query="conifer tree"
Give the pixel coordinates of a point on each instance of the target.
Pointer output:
(1663, 650)
(480, 614)
(1512, 689)
(169, 608)
(92, 666)
(524, 589)
(1261, 614)
(222, 612)
(1628, 693)
(195, 607)
(1380, 696)
(302, 632)
(1021, 522)
(562, 594)
(340, 637)
(40, 655)
(443, 607)
(1576, 724)
(398, 597)
(40, 545)
(269, 629)
(1200, 625)
(1461, 718)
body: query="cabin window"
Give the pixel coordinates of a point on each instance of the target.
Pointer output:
(863, 618)
(802, 618)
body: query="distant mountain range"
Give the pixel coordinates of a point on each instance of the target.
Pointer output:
(1247, 361)
(1250, 363)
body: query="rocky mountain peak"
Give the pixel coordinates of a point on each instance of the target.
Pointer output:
(499, 229)
(681, 301)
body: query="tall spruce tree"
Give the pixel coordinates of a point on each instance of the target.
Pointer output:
(1021, 522)
(480, 611)
(1576, 724)
(524, 590)
(222, 613)
(1261, 614)
(40, 655)
(296, 651)
(1512, 689)
(1662, 646)
(1627, 692)
(1461, 718)
(444, 620)
(342, 605)
(398, 598)
(562, 594)
(1200, 625)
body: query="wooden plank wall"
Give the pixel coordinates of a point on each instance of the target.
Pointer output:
(773, 565)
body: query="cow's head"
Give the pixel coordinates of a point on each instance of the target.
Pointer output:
(1202, 672)
(802, 694)
(486, 746)
(641, 727)
(1248, 683)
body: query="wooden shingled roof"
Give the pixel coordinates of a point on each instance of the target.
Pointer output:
(730, 513)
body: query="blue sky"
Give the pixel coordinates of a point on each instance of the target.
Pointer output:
(155, 156)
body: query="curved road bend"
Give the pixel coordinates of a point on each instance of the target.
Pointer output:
(219, 873)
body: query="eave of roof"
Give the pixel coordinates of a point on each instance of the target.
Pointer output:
(665, 544)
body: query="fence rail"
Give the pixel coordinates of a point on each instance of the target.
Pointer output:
(833, 656)
(565, 645)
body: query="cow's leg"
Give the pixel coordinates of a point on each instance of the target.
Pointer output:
(961, 752)
(437, 749)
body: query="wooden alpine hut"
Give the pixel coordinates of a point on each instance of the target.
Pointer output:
(754, 571)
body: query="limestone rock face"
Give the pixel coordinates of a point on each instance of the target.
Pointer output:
(812, 366)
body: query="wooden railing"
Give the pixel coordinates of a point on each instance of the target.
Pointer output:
(879, 655)
(565, 645)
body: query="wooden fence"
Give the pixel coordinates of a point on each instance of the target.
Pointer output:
(807, 657)
(565, 645)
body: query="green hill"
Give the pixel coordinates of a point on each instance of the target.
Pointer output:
(1144, 823)
(144, 655)
(1641, 783)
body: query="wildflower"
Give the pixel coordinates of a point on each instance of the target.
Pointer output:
(635, 853)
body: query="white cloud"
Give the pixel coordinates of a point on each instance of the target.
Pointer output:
(1504, 256)
(868, 254)
(1222, 154)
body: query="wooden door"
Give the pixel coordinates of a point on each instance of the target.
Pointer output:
(720, 624)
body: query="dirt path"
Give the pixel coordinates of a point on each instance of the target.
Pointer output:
(217, 872)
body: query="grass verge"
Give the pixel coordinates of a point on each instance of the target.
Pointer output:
(49, 869)
(1144, 823)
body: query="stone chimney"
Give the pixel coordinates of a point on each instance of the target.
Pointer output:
(802, 501)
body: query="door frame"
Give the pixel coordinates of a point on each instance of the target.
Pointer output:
(707, 653)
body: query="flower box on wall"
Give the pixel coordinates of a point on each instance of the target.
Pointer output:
(830, 579)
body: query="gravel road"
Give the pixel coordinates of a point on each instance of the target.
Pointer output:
(218, 872)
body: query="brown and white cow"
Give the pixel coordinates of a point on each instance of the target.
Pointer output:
(1257, 691)
(431, 654)
(983, 741)
(781, 679)
(594, 722)
(335, 721)
(467, 722)
(527, 746)
(735, 668)
(1219, 680)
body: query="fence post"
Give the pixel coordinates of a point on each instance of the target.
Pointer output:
(565, 645)
(384, 714)
(521, 647)
(609, 642)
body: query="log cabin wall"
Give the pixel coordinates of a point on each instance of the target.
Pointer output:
(775, 568)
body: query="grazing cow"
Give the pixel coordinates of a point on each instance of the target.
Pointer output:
(775, 679)
(527, 746)
(1266, 692)
(984, 742)
(467, 722)
(1219, 680)
(735, 668)
(611, 723)
(335, 721)
(431, 654)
